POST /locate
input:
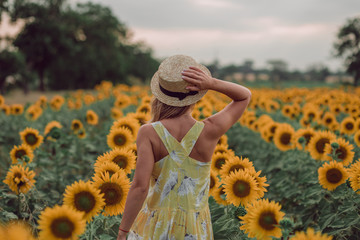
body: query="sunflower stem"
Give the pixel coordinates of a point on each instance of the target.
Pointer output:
(104, 224)
(19, 206)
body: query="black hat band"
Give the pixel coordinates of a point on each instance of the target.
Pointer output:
(179, 95)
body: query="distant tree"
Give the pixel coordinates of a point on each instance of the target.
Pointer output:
(278, 70)
(347, 46)
(317, 72)
(214, 68)
(247, 67)
(10, 63)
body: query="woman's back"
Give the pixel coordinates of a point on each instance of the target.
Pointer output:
(177, 203)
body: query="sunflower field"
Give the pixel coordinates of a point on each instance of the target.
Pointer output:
(289, 169)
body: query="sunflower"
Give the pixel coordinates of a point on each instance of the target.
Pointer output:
(129, 123)
(213, 182)
(219, 194)
(344, 151)
(282, 137)
(31, 137)
(310, 234)
(122, 101)
(133, 148)
(122, 157)
(115, 190)
(233, 164)
(218, 160)
(240, 188)
(306, 133)
(56, 102)
(5, 109)
(119, 137)
(17, 230)
(33, 112)
(2, 100)
(16, 109)
(355, 176)
(91, 117)
(42, 101)
(262, 220)
(109, 167)
(311, 113)
(347, 126)
(84, 197)
(287, 110)
(328, 119)
(20, 179)
(89, 99)
(23, 152)
(141, 117)
(223, 148)
(116, 113)
(305, 122)
(332, 175)
(196, 114)
(317, 143)
(144, 108)
(271, 106)
(357, 138)
(260, 181)
(357, 124)
(223, 140)
(51, 125)
(61, 222)
(76, 125)
(81, 133)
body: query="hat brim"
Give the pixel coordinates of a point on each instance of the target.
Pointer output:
(173, 101)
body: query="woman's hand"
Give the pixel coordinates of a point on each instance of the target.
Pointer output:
(197, 79)
(121, 235)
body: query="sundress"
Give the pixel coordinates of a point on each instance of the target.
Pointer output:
(176, 206)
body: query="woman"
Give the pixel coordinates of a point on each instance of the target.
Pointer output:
(168, 198)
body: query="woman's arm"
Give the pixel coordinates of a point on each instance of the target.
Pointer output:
(223, 120)
(140, 184)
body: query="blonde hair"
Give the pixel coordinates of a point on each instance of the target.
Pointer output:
(161, 110)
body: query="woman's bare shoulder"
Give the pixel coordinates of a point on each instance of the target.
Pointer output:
(146, 131)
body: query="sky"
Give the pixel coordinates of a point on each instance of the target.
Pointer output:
(300, 32)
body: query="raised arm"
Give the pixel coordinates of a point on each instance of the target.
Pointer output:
(223, 120)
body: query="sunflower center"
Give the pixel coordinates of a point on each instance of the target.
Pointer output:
(328, 120)
(212, 182)
(90, 118)
(267, 220)
(121, 161)
(112, 193)
(236, 167)
(272, 129)
(334, 175)
(144, 110)
(62, 227)
(311, 115)
(17, 179)
(119, 139)
(76, 126)
(349, 126)
(241, 188)
(285, 138)
(20, 153)
(219, 162)
(307, 136)
(342, 152)
(320, 144)
(31, 138)
(84, 201)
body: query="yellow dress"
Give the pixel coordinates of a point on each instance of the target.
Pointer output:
(176, 206)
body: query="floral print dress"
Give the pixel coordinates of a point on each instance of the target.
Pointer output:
(176, 206)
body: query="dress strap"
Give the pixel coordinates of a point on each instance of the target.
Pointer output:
(190, 139)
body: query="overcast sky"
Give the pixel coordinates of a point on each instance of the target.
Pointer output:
(299, 32)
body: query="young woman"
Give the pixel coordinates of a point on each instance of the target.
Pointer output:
(168, 198)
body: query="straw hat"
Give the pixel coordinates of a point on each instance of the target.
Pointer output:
(168, 86)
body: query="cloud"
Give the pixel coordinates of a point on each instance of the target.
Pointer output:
(215, 3)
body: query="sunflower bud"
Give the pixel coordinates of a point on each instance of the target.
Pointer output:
(26, 159)
(301, 140)
(240, 212)
(55, 133)
(335, 145)
(287, 224)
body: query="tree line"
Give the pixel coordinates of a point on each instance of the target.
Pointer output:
(69, 47)
(63, 46)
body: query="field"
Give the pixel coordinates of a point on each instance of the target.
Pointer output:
(289, 168)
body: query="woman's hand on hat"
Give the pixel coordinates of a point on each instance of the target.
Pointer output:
(197, 79)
